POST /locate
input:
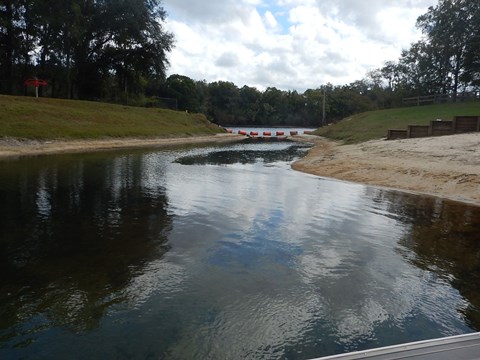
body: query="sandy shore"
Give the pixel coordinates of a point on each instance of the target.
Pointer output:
(447, 166)
(13, 148)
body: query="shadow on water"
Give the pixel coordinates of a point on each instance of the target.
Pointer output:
(72, 236)
(443, 239)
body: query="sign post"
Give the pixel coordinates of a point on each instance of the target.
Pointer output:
(35, 82)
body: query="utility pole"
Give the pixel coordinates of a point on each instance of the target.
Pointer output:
(323, 108)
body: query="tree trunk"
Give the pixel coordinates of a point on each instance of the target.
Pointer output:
(458, 63)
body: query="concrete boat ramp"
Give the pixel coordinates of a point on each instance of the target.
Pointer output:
(462, 347)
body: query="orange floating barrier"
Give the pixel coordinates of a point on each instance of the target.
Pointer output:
(267, 133)
(242, 132)
(306, 132)
(293, 132)
(254, 133)
(280, 133)
(229, 131)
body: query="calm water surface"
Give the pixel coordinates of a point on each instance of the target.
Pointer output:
(223, 253)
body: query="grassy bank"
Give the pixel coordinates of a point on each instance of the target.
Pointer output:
(374, 124)
(43, 118)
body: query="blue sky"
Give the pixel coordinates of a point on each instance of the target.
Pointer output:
(289, 44)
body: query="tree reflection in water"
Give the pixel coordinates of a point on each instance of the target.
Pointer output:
(311, 267)
(64, 256)
(444, 239)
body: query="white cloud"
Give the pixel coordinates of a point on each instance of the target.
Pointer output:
(289, 44)
(271, 20)
(227, 59)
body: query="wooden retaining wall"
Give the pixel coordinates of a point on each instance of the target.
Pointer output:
(416, 131)
(441, 127)
(394, 134)
(463, 124)
(459, 125)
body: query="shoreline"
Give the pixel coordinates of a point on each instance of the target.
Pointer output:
(15, 149)
(446, 166)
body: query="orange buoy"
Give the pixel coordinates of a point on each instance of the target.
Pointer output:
(294, 132)
(242, 132)
(306, 132)
(267, 133)
(229, 131)
(254, 133)
(280, 133)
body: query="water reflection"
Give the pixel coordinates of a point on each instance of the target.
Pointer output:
(74, 233)
(152, 254)
(444, 241)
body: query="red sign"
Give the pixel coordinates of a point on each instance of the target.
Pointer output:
(35, 82)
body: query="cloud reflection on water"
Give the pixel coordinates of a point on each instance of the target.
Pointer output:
(226, 258)
(354, 281)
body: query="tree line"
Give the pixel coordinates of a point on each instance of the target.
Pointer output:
(115, 50)
(446, 60)
(86, 49)
(225, 103)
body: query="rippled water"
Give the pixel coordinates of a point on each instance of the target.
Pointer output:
(223, 253)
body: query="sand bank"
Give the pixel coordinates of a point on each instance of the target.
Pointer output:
(447, 166)
(13, 148)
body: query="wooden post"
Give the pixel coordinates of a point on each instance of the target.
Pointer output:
(323, 109)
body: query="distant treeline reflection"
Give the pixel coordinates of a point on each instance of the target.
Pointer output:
(444, 238)
(63, 253)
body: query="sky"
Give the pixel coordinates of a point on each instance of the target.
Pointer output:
(289, 44)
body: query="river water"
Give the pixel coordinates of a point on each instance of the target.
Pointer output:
(223, 253)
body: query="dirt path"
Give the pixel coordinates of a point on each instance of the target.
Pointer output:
(447, 166)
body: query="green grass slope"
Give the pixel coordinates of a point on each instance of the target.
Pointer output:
(43, 118)
(374, 124)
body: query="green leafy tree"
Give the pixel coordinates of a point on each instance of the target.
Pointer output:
(295, 110)
(249, 105)
(135, 44)
(223, 104)
(185, 91)
(471, 75)
(272, 105)
(448, 28)
(314, 105)
(80, 45)
(15, 42)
